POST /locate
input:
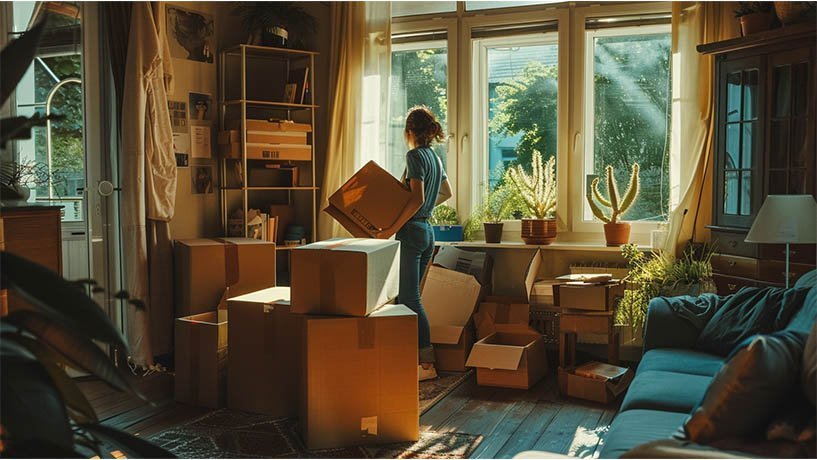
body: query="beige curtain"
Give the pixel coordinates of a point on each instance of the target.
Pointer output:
(148, 177)
(693, 106)
(359, 71)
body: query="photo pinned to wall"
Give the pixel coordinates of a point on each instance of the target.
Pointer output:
(181, 147)
(190, 34)
(178, 116)
(202, 177)
(201, 107)
(201, 142)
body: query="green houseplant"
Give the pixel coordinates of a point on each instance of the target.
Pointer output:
(616, 233)
(282, 24)
(537, 194)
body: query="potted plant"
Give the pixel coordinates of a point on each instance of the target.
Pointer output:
(659, 274)
(281, 24)
(445, 223)
(616, 233)
(497, 205)
(537, 194)
(17, 178)
(755, 17)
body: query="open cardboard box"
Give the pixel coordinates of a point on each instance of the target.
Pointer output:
(344, 276)
(201, 359)
(602, 391)
(266, 349)
(475, 263)
(595, 297)
(370, 201)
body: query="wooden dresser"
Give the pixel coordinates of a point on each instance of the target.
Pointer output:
(765, 89)
(32, 231)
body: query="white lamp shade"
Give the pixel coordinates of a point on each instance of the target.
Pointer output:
(785, 219)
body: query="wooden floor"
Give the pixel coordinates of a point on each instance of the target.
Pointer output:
(511, 421)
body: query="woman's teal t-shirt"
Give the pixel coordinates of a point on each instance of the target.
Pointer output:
(422, 163)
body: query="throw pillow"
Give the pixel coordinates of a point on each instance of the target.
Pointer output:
(748, 312)
(749, 388)
(809, 372)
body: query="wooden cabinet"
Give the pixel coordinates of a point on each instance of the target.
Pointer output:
(765, 91)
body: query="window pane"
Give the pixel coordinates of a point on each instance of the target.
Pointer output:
(399, 9)
(522, 95)
(631, 117)
(418, 77)
(487, 5)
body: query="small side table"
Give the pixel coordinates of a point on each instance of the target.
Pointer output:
(572, 322)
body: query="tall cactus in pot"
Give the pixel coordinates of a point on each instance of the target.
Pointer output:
(615, 232)
(537, 192)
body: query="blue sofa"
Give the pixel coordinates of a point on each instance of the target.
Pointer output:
(673, 377)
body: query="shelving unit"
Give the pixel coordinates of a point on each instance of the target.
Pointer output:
(252, 80)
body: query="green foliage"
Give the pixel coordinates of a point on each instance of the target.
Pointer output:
(661, 274)
(444, 215)
(537, 191)
(617, 205)
(747, 8)
(498, 204)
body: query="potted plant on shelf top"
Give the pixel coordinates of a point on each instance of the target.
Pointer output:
(498, 204)
(755, 17)
(616, 233)
(537, 193)
(445, 223)
(281, 24)
(16, 178)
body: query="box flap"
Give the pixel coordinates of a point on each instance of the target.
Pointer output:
(275, 295)
(533, 272)
(449, 297)
(471, 262)
(198, 242)
(392, 310)
(501, 317)
(362, 245)
(492, 356)
(446, 335)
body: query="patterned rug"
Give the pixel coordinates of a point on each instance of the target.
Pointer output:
(227, 433)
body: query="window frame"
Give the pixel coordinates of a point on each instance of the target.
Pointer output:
(580, 222)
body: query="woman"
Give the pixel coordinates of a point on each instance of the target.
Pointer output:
(426, 178)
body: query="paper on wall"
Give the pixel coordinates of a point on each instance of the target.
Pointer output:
(200, 137)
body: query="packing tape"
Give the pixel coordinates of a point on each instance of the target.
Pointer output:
(365, 333)
(326, 279)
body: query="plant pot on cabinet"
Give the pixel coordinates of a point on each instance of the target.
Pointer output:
(756, 22)
(538, 231)
(493, 232)
(276, 36)
(617, 233)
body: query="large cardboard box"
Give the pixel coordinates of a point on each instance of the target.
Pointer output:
(475, 263)
(204, 268)
(494, 316)
(369, 202)
(511, 359)
(266, 346)
(587, 296)
(449, 299)
(267, 151)
(344, 276)
(360, 382)
(268, 137)
(201, 359)
(602, 391)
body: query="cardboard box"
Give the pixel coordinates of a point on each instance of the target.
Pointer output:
(201, 359)
(267, 151)
(449, 299)
(372, 200)
(344, 276)
(360, 382)
(509, 359)
(595, 297)
(273, 126)
(266, 353)
(605, 392)
(204, 268)
(475, 263)
(496, 316)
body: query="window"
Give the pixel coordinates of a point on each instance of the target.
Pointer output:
(628, 113)
(488, 5)
(419, 76)
(400, 9)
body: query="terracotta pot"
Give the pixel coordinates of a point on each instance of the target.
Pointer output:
(756, 22)
(617, 233)
(493, 232)
(538, 231)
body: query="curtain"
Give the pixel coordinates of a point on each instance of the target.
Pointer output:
(117, 28)
(693, 108)
(148, 179)
(359, 70)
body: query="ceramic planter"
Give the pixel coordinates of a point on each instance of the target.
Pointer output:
(493, 232)
(617, 233)
(538, 231)
(756, 22)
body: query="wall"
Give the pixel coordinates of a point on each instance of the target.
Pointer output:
(200, 215)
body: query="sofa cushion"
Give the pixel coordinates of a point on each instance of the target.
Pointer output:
(680, 360)
(662, 390)
(805, 317)
(809, 370)
(633, 427)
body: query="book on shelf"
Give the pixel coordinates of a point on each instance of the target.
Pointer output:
(600, 371)
(272, 228)
(300, 78)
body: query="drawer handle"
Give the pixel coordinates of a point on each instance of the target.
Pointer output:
(732, 286)
(733, 243)
(732, 263)
(792, 252)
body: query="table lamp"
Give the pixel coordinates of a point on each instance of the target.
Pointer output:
(785, 219)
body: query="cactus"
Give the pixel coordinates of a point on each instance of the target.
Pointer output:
(618, 205)
(537, 190)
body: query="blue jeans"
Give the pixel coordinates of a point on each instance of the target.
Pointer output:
(416, 248)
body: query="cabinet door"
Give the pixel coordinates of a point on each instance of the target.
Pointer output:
(790, 152)
(740, 134)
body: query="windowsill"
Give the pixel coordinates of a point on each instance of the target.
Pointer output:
(556, 246)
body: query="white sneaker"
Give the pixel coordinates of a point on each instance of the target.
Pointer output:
(424, 374)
